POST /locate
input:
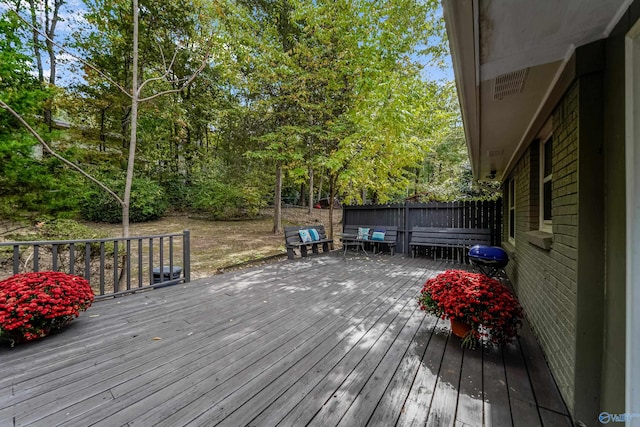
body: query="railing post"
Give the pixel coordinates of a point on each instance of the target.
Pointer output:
(116, 260)
(140, 263)
(151, 260)
(54, 257)
(186, 255)
(87, 261)
(36, 258)
(128, 263)
(16, 259)
(407, 227)
(72, 258)
(102, 261)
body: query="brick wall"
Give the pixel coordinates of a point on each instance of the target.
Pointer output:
(545, 280)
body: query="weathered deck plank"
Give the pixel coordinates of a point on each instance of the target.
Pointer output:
(470, 395)
(388, 410)
(496, 392)
(445, 396)
(521, 397)
(324, 340)
(416, 408)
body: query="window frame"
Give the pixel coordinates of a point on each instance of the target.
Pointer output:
(546, 137)
(511, 210)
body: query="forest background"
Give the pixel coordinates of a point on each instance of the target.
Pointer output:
(240, 105)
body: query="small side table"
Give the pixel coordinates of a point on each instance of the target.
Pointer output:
(352, 240)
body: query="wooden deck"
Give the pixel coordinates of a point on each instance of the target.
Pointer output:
(319, 341)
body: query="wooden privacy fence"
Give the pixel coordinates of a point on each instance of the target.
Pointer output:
(474, 214)
(112, 266)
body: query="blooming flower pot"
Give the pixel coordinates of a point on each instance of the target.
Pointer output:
(458, 328)
(475, 299)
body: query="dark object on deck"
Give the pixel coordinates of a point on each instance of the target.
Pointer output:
(166, 277)
(293, 240)
(489, 259)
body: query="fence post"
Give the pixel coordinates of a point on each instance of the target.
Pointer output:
(186, 255)
(407, 227)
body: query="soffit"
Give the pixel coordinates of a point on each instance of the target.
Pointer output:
(517, 50)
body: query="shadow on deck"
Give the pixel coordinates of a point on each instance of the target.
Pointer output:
(322, 341)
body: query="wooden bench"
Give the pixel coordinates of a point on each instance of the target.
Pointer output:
(455, 238)
(390, 237)
(293, 241)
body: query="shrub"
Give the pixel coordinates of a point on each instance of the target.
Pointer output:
(28, 185)
(177, 190)
(226, 201)
(32, 305)
(66, 229)
(148, 202)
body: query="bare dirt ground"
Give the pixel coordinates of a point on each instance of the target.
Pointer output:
(218, 246)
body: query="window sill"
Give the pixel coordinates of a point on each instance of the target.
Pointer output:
(540, 239)
(509, 248)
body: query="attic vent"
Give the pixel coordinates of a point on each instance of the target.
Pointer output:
(509, 84)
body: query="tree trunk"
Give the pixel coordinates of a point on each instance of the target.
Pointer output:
(277, 201)
(103, 137)
(36, 40)
(332, 196)
(320, 187)
(303, 196)
(134, 125)
(310, 190)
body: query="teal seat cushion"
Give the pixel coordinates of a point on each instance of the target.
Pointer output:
(363, 233)
(305, 236)
(378, 236)
(315, 236)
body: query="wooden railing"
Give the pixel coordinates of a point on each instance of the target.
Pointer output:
(113, 266)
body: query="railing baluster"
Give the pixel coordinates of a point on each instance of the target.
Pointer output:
(139, 263)
(16, 259)
(101, 268)
(128, 263)
(87, 261)
(161, 259)
(116, 260)
(72, 258)
(170, 257)
(186, 255)
(54, 257)
(36, 258)
(151, 261)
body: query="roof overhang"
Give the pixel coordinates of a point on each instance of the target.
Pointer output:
(507, 57)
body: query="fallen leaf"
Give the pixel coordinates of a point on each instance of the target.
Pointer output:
(156, 338)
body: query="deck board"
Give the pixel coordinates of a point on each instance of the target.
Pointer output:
(497, 410)
(325, 340)
(470, 392)
(445, 396)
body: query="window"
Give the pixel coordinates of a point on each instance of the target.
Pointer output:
(511, 204)
(546, 181)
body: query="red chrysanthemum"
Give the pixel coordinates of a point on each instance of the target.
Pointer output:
(484, 303)
(34, 304)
